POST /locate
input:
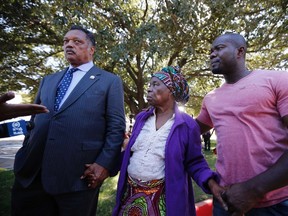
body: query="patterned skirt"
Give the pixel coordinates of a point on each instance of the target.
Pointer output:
(143, 198)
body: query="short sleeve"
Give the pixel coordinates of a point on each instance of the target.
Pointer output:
(281, 89)
(204, 116)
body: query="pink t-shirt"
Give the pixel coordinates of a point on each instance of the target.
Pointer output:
(246, 116)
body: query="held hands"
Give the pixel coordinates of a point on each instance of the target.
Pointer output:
(217, 190)
(240, 198)
(220, 193)
(8, 111)
(95, 175)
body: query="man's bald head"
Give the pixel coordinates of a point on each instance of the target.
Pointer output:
(236, 39)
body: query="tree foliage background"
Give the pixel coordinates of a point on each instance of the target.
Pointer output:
(138, 37)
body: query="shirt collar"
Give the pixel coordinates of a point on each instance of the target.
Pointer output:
(84, 67)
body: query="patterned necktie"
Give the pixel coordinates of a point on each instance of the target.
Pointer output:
(63, 86)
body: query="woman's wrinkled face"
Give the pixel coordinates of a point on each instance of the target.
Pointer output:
(158, 94)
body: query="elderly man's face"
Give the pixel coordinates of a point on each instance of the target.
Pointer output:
(158, 94)
(78, 48)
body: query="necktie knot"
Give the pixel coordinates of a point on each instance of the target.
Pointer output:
(72, 70)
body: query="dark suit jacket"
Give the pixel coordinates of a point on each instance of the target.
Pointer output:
(89, 127)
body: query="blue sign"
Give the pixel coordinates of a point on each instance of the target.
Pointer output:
(17, 128)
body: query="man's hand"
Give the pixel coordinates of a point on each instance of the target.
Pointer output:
(95, 175)
(240, 198)
(8, 111)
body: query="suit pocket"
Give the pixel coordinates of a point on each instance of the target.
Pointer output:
(87, 146)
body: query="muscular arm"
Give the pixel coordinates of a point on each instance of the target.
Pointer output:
(244, 196)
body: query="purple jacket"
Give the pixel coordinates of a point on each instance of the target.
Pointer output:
(183, 159)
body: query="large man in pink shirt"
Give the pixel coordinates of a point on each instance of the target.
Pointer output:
(250, 115)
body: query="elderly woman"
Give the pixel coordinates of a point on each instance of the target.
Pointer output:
(163, 152)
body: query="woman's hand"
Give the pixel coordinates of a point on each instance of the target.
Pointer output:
(217, 190)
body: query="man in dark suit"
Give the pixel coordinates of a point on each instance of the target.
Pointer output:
(79, 139)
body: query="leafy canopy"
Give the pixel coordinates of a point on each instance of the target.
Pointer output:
(135, 38)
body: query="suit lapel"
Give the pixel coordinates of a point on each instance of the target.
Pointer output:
(88, 79)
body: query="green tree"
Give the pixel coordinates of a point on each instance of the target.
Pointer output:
(138, 37)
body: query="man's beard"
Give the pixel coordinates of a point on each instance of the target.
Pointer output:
(216, 70)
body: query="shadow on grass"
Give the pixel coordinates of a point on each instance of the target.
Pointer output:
(6, 181)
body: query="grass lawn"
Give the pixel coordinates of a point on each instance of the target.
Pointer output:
(107, 193)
